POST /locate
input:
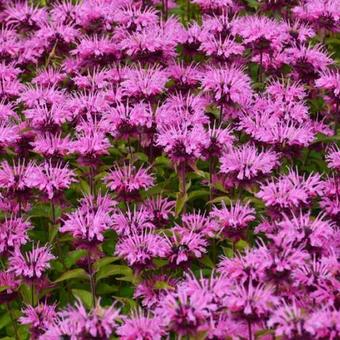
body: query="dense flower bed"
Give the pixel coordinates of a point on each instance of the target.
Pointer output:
(169, 170)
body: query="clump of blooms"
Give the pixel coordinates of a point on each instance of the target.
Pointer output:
(169, 169)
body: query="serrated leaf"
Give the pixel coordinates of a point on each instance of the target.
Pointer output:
(78, 273)
(84, 296)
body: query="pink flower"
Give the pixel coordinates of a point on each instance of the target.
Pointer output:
(333, 158)
(76, 322)
(140, 249)
(127, 180)
(291, 190)
(139, 326)
(52, 179)
(152, 290)
(144, 83)
(32, 264)
(39, 318)
(186, 246)
(88, 224)
(159, 210)
(128, 222)
(323, 323)
(181, 142)
(184, 313)
(246, 162)
(288, 321)
(51, 145)
(230, 86)
(254, 302)
(13, 234)
(236, 218)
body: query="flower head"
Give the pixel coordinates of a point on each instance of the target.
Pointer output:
(31, 264)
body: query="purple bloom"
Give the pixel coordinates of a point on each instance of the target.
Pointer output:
(52, 179)
(139, 326)
(140, 249)
(39, 318)
(127, 181)
(31, 264)
(246, 162)
(13, 234)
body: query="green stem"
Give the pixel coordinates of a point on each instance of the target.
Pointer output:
(10, 312)
(92, 280)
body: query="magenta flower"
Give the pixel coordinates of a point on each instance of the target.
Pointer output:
(13, 234)
(288, 320)
(39, 318)
(151, 291)
(144, 83)
(182, 143)
(323, 324)
(291, 190)
(77, 323)
(31, 264)
(51, 145)
(322, 14)
(140, 249)
(16, 178)
(184, 313)
(253, 302)
(246, 162)
(127, 181)
(159, 210)
(196, 223)
(88, 224)
(139, 326)
(230, 87)
(52, 179)
(234, 219)
(128, 222)
(185, 247)
(11, 282)
(333, 158)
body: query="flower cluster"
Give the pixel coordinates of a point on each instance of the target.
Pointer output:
(169, 169)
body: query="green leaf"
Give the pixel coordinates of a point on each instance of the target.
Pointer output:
(26, 293)
(78, 273)
(5, 319)
(206, 260)
(84, 296)
(163, 285)
(180, 203)
(225, 199)
(73, 256)
(104, 261)
(198, 194)
(114, 270)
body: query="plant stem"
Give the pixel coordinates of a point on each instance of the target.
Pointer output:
(32, 287)
(188, 10)
(211, 174)
(92, 281)
(250, 335)
(91, 180)
(221, 114)
(182, 180)
(10, 312)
